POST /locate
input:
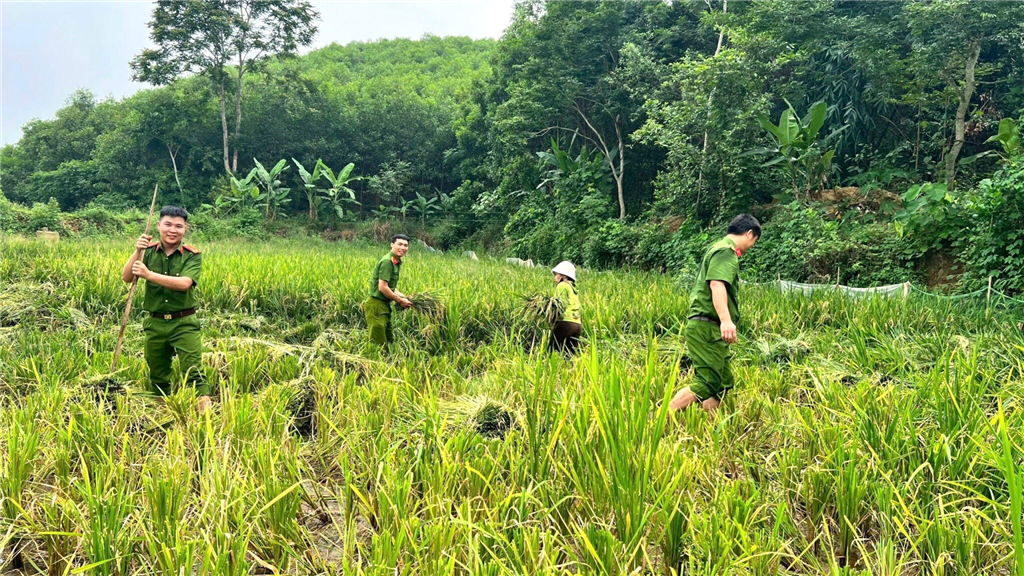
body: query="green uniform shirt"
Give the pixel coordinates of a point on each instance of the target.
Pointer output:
(720, 263)
(566, 293)
(388, 269)
(185, 261)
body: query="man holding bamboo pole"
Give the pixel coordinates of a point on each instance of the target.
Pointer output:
(171, 271)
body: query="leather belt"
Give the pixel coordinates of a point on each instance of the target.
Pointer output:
(705, 319)
(173, 315)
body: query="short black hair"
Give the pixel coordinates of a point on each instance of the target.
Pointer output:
(174, 212)
(744, 223)
(397, 237)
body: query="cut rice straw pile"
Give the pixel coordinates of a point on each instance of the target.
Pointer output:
(487, 417)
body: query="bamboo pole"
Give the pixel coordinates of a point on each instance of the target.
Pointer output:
(988, 297)
(131, 291)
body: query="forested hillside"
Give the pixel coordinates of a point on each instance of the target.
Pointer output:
(389, 106)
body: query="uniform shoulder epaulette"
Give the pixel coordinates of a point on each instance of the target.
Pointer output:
(152, 245)
(192, 249)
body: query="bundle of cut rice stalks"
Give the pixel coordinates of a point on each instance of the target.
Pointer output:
(232, 323)
(296, 397)
(487, 417)
(428, 304)
(543, 308)
(781, 349)
(105, 386)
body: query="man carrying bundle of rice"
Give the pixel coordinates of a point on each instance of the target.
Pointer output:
(714, 311)
(384, 290)
(565, 336)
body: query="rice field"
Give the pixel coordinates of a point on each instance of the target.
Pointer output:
(877, 436)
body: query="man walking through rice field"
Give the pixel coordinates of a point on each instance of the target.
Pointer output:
(171, 271)
(712, 316)
(384, 290)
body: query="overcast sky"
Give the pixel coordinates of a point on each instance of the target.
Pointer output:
(49, 49)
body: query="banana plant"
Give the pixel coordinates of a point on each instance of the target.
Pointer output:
(384, 212)
(222, 204)
(404, 208)
(274, 195)
(242, 193)
(587, 169)
(339, 195)
(424, 207)
(309, 185)
(1009, 138)
(797, 146)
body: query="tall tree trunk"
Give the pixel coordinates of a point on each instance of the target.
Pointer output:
(619, 174)
(617, 171)
(224, 127)
(238, 115)
(174, 164)
(964, 94)
(707, 141)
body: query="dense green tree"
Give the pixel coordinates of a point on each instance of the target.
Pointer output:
(578, 73)
(948, 39)
(208, 36)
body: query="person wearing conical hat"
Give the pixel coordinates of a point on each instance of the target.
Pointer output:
(565, 335)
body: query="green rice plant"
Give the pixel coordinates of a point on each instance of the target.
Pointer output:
(18, 460)
(277, 484)
(20, 451)
(1007, 457)
(816, 491)
(225, 521)
(109, 504)
(63, 455)
(887, 561)
(852, 485)
(614, 446)
(166, 486)
(283, 406)
(58, 527)
(675, 525)
(601, 551)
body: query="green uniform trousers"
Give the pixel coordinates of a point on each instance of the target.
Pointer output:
(378, 319)
(710, 356)
(164, 339)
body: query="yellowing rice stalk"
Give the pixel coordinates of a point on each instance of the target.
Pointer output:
(879, 436)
